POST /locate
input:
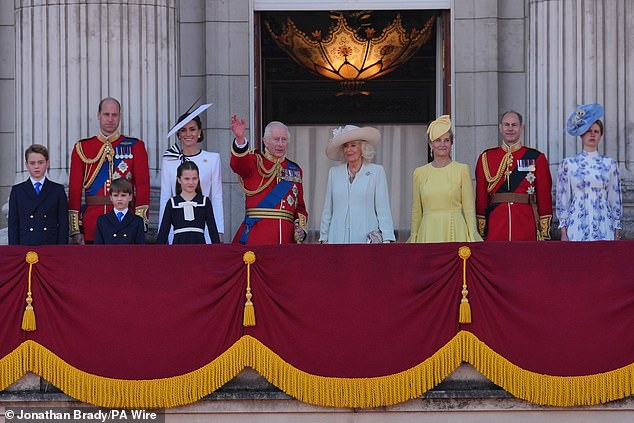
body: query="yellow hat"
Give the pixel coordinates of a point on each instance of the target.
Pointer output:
(440, 126)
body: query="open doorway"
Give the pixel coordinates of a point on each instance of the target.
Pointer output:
(399, 103)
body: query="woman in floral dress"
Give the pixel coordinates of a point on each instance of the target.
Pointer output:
(588, 184)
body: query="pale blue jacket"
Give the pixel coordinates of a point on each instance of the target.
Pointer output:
(351, 210)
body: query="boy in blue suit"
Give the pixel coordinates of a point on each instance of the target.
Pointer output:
(120, 226)
(38, 207)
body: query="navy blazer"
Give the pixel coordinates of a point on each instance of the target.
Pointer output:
(131, 230)
(38, 219)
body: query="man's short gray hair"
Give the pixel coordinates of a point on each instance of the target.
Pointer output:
(267, 130)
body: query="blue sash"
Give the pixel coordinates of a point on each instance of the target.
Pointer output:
(271, 200)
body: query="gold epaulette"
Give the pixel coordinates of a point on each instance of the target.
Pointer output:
(141, 211)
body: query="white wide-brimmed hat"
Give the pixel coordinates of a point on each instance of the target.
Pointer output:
(188, 118)
(348, 133)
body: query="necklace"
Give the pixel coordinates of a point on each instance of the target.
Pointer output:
(352, 173)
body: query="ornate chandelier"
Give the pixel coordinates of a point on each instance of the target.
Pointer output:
(352, 55)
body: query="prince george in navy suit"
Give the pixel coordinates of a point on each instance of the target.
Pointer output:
(38, 207)
(119, 226)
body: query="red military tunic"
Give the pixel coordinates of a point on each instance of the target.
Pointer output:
(513, 190)
(94, 163)
(276, 224)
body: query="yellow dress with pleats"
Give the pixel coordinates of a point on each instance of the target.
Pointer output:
(443, 206)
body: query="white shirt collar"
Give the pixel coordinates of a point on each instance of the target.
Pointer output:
(41, 181)
(124, 211)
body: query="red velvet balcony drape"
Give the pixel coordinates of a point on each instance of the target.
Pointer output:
(354, 326)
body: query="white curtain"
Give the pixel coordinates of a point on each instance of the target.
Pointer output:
(402, 149)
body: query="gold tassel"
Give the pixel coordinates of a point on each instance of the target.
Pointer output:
(28, 319)
(464, 316)
(465, 311)
(249, 310)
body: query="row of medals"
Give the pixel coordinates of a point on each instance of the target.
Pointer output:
(123, 153)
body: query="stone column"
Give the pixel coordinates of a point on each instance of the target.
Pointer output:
(581, 52)
(7, 116)
(490, 71)
(72, 53)
(215, 64)
(476, 66)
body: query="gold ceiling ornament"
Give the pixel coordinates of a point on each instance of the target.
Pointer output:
(349, 55)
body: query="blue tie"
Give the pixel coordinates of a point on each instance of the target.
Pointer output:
(38, 187)
(120, 216)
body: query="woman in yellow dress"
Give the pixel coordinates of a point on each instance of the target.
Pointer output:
(443, 207)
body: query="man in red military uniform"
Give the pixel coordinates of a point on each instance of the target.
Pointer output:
(275, 210)
(513, 188)
(97, 161)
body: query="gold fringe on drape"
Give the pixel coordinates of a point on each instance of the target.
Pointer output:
(13, 366)
(313, 389)
(28, 318)
(353, 392)
(120, 393)
(560, 391)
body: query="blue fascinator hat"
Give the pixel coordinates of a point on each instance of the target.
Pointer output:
(582, 118)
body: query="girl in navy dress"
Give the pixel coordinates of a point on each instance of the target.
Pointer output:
(188, 211)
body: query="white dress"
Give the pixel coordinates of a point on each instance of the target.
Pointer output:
(589, 197)
(210, 174)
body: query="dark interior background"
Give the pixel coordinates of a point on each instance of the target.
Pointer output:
(295, 96)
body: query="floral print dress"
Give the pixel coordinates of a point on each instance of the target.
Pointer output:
(589, 197)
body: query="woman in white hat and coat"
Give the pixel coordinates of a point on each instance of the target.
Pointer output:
(357, 204)
(443, 207)
(190, 134)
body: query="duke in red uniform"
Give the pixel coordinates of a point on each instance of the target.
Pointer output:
(95, 162)
(513, 188)
(275, 210)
